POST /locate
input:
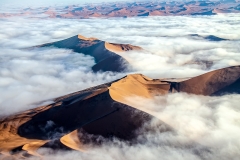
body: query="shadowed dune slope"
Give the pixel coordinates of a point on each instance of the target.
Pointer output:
(104, 53)
(104, 110)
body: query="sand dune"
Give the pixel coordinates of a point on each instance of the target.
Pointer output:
(96, 110)
(104, 53)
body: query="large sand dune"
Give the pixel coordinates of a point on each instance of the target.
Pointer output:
(106, 54)
(103, 110)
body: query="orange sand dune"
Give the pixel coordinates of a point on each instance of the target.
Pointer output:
(95, 110)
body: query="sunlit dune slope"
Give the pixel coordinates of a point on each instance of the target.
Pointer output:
(106, 110)
(104, 53)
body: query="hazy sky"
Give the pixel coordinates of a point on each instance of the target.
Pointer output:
(52, 2)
